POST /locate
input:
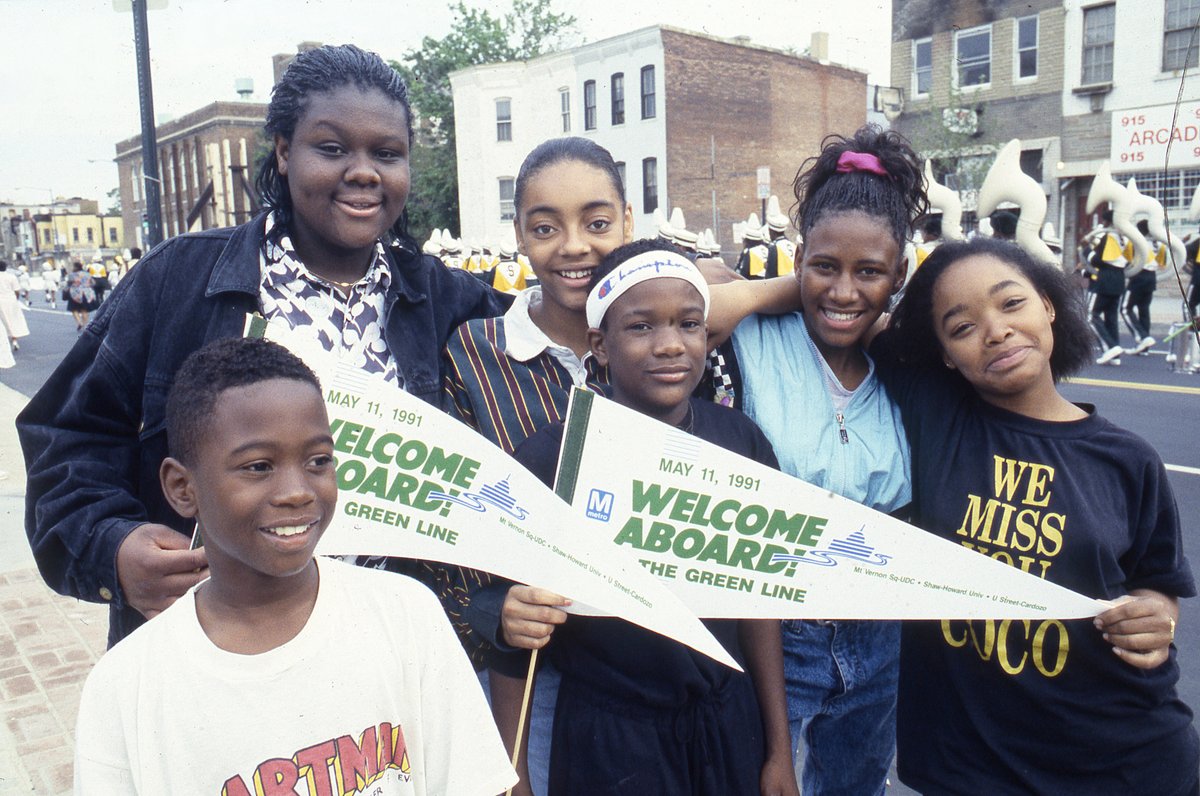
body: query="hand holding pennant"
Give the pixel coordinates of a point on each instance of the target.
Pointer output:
(734, 538)
(414, 482)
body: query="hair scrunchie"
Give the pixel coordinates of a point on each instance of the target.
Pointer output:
(861, 161)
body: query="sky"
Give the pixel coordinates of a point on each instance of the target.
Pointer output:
(70, 77)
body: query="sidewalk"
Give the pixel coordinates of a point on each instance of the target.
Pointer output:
(48, 644)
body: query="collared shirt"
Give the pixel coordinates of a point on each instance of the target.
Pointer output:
(526, 340)
(506, 378)
(350, 322)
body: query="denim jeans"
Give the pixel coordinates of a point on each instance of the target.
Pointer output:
(539, 725)
(841, 693)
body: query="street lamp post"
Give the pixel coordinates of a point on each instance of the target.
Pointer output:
(141, 42)
(145, 225)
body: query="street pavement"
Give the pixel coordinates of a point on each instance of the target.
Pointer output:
(48, 643)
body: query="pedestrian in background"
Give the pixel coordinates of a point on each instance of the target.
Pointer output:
(81, 295)
(100, 282)
(50, 280)
(11, 311)
(23, 281)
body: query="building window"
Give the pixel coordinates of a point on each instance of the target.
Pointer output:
(973, 54)
(75, 234)
(621, 173)
(618, 98)
(648, 109)
(589, 105)
(1181, 17)
(1174, 189)
(564, 100)
(46, 237)
(1031, 163)
(922, 67)
(1099, 23)
(112, 234)
(91, 235)
(1027, 47)
(508, 210)
(503, 120)
(649, 185)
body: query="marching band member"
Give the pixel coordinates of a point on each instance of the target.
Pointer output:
(752, 263)
(1108, 283)
(1140, 292)
(931, 236)
(781, 252)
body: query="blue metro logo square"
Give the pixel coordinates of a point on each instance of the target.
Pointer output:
(600, 505)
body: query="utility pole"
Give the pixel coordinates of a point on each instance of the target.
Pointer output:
(152, 184)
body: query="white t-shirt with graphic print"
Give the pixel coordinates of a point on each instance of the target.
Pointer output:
(373, 696)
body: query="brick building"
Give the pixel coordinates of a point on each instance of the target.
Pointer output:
(205, 165)
(975, 74)
(690, 118)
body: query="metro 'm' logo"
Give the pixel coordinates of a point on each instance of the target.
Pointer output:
(600, 505)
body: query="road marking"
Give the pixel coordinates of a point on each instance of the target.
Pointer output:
(1136, 385)
(1179, 468)
(43, 309)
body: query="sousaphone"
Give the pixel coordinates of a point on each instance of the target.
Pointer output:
(947, 202)
(1156, 218)
(1106, 189)
(1005, 182)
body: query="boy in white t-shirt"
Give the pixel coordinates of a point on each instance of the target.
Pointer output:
(280, 674)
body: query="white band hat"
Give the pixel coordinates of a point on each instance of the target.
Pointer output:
(686, 238)
(649, 265)
(776, 220)
(752, 230)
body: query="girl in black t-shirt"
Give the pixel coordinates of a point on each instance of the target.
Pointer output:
(1007, 466)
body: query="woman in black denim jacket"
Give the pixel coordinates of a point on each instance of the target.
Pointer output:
(335, 189)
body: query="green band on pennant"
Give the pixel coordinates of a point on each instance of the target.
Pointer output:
(579, 410)
(256, 326)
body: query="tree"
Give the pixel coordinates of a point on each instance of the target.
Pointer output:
(529, 29)
(948, 133)
(114, 202)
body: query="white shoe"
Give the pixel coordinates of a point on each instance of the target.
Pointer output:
(1145, 345)
(1109, 355)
